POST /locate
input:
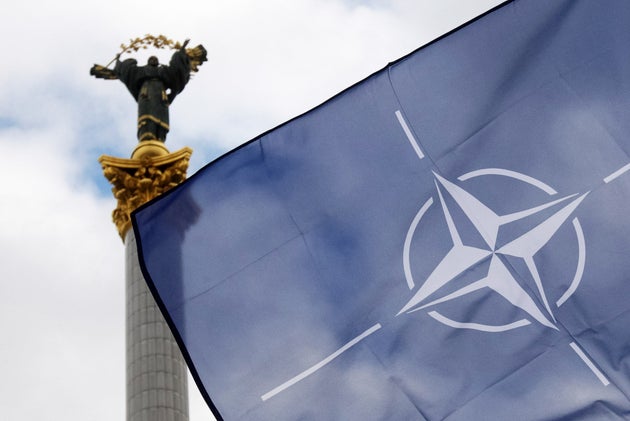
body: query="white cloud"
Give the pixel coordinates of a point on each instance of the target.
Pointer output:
(61, 312)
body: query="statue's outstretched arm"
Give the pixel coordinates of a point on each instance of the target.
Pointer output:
(102, 72)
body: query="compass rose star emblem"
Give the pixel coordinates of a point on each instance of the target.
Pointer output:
(499, 279)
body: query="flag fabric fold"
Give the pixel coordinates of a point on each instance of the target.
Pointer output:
(447, 239)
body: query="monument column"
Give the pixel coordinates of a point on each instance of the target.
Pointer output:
(156, 372)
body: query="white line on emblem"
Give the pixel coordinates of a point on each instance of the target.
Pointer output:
(412, 140)
(617, 173)
(579, 270)
(407, 247)
(589, 364)
(320, 364)
(508, 173)
(476, 326)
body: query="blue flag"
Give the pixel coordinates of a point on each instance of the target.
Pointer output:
(447, 239)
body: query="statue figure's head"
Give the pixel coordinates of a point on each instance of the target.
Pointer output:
(153, 61)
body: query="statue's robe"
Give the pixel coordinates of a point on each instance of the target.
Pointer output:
(154, 88)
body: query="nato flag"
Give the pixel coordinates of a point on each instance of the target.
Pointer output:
(448, 239)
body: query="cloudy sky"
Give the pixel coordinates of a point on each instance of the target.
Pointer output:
(61, 271)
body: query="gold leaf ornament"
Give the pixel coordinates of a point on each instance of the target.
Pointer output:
(149, 40)
(197, 55)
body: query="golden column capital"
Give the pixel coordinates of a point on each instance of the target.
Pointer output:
(150, 172)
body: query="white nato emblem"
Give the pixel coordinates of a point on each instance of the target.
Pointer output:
(461, 257)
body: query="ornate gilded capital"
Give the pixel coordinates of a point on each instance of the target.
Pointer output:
(137, 180)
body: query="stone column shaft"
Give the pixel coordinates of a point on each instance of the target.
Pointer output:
(156, 371)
